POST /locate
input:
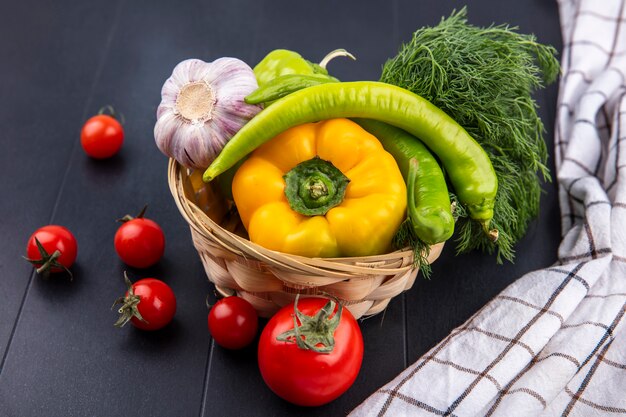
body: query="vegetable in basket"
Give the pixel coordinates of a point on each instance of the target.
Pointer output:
(466, 163)
(325, 189)
(282, 62)
(429, 213)
(281, 86)
(484, 79)
(202, 107)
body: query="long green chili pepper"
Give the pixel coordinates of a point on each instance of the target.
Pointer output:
(468, 166)
(429, 201)
(281, 86)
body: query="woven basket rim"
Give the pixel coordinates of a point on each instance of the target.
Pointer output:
(344, 267)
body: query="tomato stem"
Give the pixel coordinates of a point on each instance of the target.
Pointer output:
(45, 264)
(109, 110)
(316, 332)
(129, 302)
(51, 260)
(128, 217)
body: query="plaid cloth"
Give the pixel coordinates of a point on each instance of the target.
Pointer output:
(553, 342)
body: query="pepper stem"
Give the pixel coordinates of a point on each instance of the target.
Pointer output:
(334, 54)
(492, 234)
(315, 186)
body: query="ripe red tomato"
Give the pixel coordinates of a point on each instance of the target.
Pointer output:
(139, 242)
(149, 304)
(102, 136)
(233, 322)
(56, 251)
(303, 376)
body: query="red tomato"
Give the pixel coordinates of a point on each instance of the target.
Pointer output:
(57, 251)
(305, 377)
(102, 136)
(233, 322)
(139, 242)
(149, 304)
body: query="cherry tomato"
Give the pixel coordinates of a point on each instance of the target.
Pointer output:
(52, 248)
(149, 304)
(139, 242)
(299, 374)
(233, 322)
(102, 136)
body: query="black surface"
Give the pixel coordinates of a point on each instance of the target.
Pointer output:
(59, 63)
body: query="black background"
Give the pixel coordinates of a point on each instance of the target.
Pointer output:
(60, 61)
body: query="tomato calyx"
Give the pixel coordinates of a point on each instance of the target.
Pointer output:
(316, 333)
(129, 303)
(128, 217)
(47, 262)
(109, 110)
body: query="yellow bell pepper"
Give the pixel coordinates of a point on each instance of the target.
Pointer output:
(325, 189)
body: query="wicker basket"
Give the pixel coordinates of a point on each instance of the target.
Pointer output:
(270, 279)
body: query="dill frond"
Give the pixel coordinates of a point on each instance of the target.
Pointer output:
(484, 78)
(406, 237)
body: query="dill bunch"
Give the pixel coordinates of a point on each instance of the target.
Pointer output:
(406, 237)
(484, 78)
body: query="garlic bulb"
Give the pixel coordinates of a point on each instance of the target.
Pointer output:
(202, 107)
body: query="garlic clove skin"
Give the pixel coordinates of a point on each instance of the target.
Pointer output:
(202, 107)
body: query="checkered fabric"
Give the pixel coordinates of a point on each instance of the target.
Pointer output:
(554, 342)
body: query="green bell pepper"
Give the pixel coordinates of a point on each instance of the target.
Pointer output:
(281, 62)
